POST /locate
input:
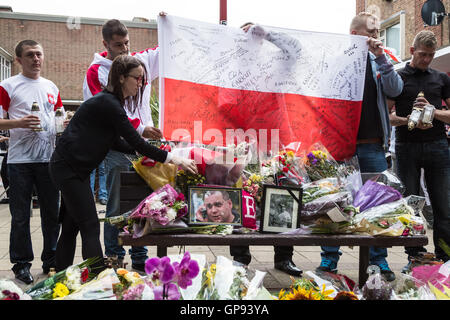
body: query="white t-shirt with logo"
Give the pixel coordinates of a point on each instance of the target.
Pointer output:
(17, 94)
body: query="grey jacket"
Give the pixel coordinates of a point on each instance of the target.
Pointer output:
(389, 83)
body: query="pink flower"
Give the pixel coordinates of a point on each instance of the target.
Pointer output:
(185, 271)
(134, 293)
(160, 269)
(167, 292)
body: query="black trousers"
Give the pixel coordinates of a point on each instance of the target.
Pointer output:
(242, 253)
(4, 173)
(78, 213)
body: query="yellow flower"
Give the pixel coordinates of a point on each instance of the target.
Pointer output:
(121, 272)
(210, 274)
(297, 294)
(60, 290)
(324, 294)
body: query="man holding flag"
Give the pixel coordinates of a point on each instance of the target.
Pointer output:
(374, 128)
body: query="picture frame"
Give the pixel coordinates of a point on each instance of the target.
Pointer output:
(215, 205)
(280, 208)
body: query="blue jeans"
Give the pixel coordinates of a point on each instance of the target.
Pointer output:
(114, 163)
(102, 193)
(371, 158)
(22, 178)
(434, 158)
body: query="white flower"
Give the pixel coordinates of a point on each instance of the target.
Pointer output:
(156, 205)
(73, 277)
(171, 214)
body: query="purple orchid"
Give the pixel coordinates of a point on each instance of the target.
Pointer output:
(160, 269)
(168, 291)
(185, 271)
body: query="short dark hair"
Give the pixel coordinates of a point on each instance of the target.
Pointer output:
(112, 27)
(121, 66)
(19, 47)
(225, 194)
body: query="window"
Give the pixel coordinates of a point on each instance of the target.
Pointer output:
(5, 65)
(391, 38)
(392, 34)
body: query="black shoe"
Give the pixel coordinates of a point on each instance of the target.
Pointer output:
(288, 267)
(138, 266)
(24, 275)
(386, 272)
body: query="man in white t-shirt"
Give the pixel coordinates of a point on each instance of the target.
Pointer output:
(28, 157)
(116, 42)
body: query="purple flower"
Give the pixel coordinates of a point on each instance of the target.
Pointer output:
(160, 269)
(185, 271)
(167, 292)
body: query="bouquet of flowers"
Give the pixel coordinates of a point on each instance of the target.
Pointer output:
(99, 288)
(64, 282)
(10, 291)
(227, 280)
(406, 287)
(161, 209)
(186, 179)
(164, 279)
(253, 185)
(155, 174)
(373, 194)
(392, 219)
(219, 165)
(305, 289)
(319, 163)
(285, 168)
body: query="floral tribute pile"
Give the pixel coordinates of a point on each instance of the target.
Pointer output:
(191, 277)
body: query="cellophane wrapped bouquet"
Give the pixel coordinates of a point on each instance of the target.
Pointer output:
(155, 174)
(161, 210)
(284, 166)
(319, 163)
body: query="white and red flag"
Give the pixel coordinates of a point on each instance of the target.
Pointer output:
(279, 85)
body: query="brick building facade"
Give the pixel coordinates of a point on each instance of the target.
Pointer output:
(405, 16)
(69, 45)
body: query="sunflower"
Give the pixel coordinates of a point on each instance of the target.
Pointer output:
(297, 294)
(323, 294)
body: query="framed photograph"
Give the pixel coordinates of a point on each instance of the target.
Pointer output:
(215, 205)
(280, 208)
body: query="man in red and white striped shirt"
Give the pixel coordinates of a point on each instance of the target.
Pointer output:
(28, 156)
(116, 42)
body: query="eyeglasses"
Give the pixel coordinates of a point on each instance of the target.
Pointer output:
(215, 204)
(138, 78)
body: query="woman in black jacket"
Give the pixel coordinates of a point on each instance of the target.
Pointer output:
(100, 124)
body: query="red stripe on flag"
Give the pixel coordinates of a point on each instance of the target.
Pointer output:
(299, 118)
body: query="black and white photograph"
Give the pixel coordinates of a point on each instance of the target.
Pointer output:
(281, 208)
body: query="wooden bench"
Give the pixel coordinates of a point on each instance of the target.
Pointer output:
(134, 189)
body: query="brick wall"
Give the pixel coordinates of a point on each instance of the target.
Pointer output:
(413, 18)
(68, 52)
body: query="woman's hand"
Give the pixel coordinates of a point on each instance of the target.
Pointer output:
(186, 164)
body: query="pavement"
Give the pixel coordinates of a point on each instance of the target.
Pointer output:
(306, 258)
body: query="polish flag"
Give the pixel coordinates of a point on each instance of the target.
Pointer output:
(281, 86)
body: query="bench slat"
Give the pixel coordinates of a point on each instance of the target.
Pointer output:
(272, 239)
